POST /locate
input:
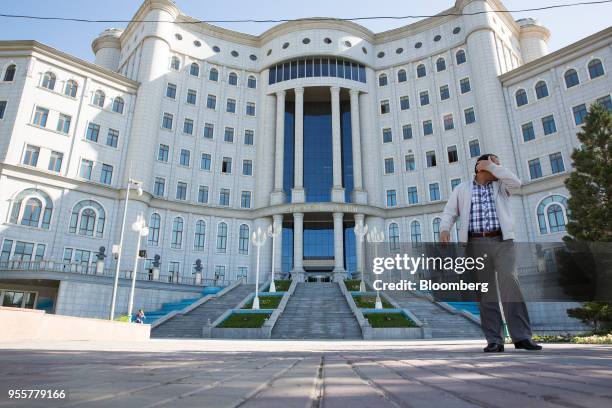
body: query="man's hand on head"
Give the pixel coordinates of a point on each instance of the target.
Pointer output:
(444, 236)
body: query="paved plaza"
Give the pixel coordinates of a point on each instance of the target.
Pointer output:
(213, 373)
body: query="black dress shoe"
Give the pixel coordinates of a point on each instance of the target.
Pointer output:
(527, 344)
(494, 348)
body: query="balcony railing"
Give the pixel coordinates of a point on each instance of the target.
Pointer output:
(94, 270)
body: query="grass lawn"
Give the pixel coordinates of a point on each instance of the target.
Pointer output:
(245, 320)
(369, 302)
(265, 302)
(389, 320)
(352, 285)
(282, 285)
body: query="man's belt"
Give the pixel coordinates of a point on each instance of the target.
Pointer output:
(487, 234)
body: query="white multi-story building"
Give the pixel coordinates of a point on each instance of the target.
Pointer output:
(315, 125)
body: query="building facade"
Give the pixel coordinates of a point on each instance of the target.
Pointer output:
(314, 126)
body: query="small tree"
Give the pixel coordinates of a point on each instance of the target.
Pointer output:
(592, 313)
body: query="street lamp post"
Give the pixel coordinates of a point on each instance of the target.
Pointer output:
(141, 228)
(361, 230)
(376, 237)
(135, 184)
(258, 239)
(274, 231)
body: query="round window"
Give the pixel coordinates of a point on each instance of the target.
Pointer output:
(178, 36)
(216, 49)
(418, 45)
(456, 30)
(380, 54)
(285, 46)
(235, 53)
(437, 38)
(327, 40)
(253, 57)
(197, 43)
(306, 41)
(399, 50)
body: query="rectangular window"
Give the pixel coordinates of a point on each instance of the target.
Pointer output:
(427, 128)
(167, 121)
(404, 103)
(453, 157)
(434, 192)
(205, 161)
(605, 101)
(185, 157)
(465, 86)
(389, 166)
(449, 124)
(556, 163)
(224, 196)
(159, 187)
(171, 91)
(249, 137)
(40, 117)
(63, 123)
(548, 124)
(413, 195)
(474, 148)
(86, 169)
(250, 109)
(181, 191)
(528, 132)
(228, 136)
(112, 138)
(245, 199)
(93, 131)
(30, 158)
(454, 183)
(470, 116)
(384, 107)
(444, 93)
(174, 268)
(2, 109)
(55, 161)
(231, 106)
(407, 132)
(209, 130)
(410, 163)
(226, 165)
(192, 96)
(424, 98)
(431, 158)
(535, 169)
(580, 113)
(211, 102)
(387, 135)
(7, 247)
(106, 175)
(203, 195)
(391, 198)
(247, 167)
(163, 153)
(188, 126)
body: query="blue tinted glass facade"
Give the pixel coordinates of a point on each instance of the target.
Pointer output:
(347, 150)
(317, 67)
(289, 159)
(318, 155)
(287, 250)
(318, 240)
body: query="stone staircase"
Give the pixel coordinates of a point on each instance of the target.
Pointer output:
(189, 325)
(317, 311)
(443, 323)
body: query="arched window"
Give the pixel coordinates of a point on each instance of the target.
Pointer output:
(552, 214)
(596, 68)
(37, 203)
(232, 79)
(252, 82)
(382, 80)
(571, 78)
(71, 88)
(436, 229)
(99, 98)
(401, 75)
(460, 57)
(222, 237)
(9, 74)
(194, 69)
(177, 233)
(421, 71)
(521, 97)
(175, 63)
(415, 232)
(394, 237)
(88, 218)
(440, 64)
(200, 236)
(154, 228)
(243, 240)
(49, 80)
(213, 75)
(541, 90)
(118, 104)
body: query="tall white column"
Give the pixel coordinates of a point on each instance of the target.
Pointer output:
(359, 195)
(359, 220)
(278, 247)
(337, 189)
(298, 247)
(339, 272)
(278, 197)
(297, 194)
(264, 182)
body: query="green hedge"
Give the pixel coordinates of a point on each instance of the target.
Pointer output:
(379, 320)
(282, 285)
(244, 321)
(265, 302)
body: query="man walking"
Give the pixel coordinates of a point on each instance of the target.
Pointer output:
(483, 207)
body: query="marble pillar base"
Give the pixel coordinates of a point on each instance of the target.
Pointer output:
(337, 195)
(299, 276)
(360, 197)
(277, 197)
(338, 275)
(298, 195)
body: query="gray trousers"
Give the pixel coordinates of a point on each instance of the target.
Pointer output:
(500, 273)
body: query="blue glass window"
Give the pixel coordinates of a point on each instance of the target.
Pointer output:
(535, 169)
(556, 163)
(548, 123)
(580, 113)
(413, 195)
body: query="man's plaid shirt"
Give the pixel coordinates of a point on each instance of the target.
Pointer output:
(483, 216)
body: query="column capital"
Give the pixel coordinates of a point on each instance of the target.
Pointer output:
(359, 217)
(299, 89)
(338, 215)
(281, 93)
(334, 89)
(354, 92)
(298, 215)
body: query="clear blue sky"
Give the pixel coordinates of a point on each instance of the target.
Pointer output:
(567, 25)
